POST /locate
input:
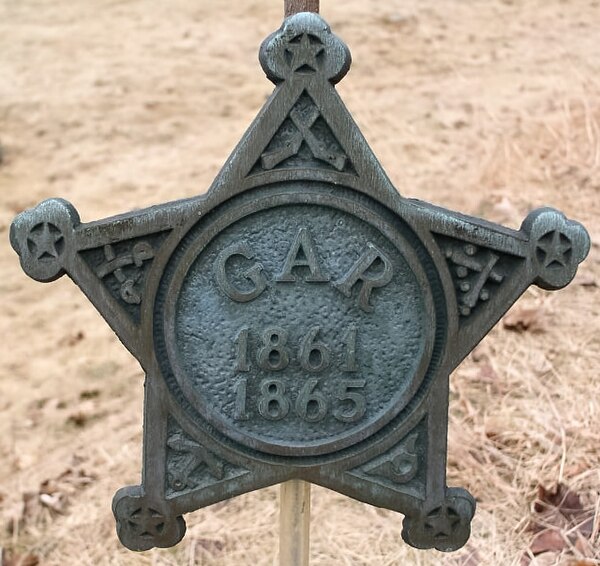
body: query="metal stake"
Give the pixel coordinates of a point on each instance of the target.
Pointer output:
(294, 499)
(295, 6)
(294, 523)
(294, 495)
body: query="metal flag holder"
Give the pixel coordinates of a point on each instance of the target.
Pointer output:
(295, 495)
(299, 323)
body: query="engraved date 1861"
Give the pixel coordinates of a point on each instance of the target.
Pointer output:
(314, 356)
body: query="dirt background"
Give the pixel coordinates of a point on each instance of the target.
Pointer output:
(491, 107)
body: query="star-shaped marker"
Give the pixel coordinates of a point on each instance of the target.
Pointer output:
(147, 522)
(43, 240)
(304, 53)
(442, 522)
(555, 248)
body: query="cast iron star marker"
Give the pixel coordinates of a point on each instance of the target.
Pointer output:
(300, 320)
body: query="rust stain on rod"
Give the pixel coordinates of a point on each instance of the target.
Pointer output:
(295, 6)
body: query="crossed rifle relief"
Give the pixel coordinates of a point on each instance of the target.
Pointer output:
(473, 291)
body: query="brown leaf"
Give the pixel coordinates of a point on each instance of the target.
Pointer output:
(584, 546)
(586, 527)
(560, 522)
(542, 521)
(549, 540)
(522, 319)
(560, 497)
(557, 507)
(52, 494)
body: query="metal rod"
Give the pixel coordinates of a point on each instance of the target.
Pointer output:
(294, 523)
(294, 495)
(295, 6)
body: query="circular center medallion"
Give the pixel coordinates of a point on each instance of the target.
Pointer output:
(298, 327)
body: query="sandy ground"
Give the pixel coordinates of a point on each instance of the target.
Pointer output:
(490, 107)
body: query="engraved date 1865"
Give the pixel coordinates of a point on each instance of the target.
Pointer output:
(275, 403)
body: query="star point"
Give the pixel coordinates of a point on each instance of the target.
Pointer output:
(148, 522)
(555, 248)
(304, 53)
(441, 523)
(44, 239)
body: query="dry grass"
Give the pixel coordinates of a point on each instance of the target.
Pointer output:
(491, 107)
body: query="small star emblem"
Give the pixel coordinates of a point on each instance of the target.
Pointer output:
(442, 522)
(554, 249)
(147, 523)
(304, 53)
(44, 241)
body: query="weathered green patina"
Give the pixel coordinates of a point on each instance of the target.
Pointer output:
(301, 319)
